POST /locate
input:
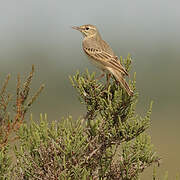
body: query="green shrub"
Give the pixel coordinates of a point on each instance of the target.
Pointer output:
(109, 142)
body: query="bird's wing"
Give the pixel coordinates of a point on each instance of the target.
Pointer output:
(106, 59)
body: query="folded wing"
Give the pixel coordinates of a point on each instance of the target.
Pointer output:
(106, 59)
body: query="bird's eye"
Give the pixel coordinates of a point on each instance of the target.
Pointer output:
(87, 28)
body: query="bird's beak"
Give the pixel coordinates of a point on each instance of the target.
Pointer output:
(77, 28)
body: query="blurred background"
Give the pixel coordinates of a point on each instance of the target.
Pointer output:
(39, 32)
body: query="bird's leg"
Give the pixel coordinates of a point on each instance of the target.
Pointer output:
(101, 76)
(108, 76)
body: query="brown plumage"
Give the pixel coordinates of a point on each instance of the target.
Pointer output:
(102, 55)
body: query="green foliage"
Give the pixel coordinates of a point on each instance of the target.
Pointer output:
(63, 150)
(136, 156)
(109, 142)
(55, 150)
(111, 116)
(114, 108)
(5, 162)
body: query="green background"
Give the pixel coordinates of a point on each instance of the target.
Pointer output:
(39, 32)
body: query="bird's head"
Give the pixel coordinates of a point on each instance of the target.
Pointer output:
(87, 30)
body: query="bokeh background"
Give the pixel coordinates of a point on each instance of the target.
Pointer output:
(39, 32)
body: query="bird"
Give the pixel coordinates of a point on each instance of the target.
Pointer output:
(101, 54)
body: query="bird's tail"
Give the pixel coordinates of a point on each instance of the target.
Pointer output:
(121, 79)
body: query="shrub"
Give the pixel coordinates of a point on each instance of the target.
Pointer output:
(11, 122)
(109, 142)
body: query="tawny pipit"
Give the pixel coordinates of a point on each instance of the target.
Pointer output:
(102, 55)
